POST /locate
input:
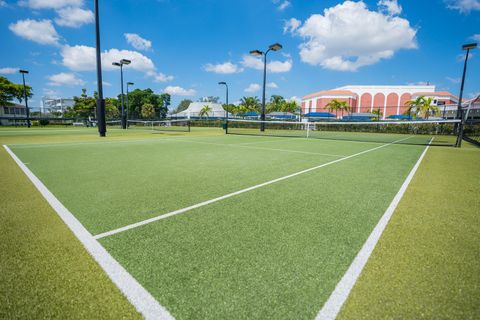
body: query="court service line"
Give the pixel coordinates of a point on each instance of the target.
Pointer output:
(138, 296)
(260, 148)
(201, 204)
(334, 304)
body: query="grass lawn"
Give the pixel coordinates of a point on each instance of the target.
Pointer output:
(275, 252)
(427, 264)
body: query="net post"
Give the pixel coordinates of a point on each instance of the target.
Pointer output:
(226, 126)
(308, 130)
(188, 123)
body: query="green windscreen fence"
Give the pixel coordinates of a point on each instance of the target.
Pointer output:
(423, 132)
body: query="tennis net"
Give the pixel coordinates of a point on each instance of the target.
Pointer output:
(166, 125)
(423, 132)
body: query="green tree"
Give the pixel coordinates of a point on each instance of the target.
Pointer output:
(148, 111)
(276, 104)
(250, 104)
(10, 91)
(336, 105)
(205, 111)
(377, 114)
(138, 97)
(422, 106)
(111, 109)
(290, 106)
(84, 106)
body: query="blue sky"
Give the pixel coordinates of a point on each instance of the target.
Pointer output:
(186, 47)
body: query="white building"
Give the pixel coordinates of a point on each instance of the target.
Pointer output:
(194, 111)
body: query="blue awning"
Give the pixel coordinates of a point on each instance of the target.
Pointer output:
(320, 115)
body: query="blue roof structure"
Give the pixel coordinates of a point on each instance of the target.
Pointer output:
(400, 117)
(319, 115)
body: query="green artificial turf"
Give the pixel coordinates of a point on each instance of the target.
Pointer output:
(45, 273)
(427, 263)
(273, 253)
(109, 185)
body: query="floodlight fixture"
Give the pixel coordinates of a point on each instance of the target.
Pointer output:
(125, 61)
(469, 46)
(116, 64)
(275, 47)
(256, 53)
(23, 71)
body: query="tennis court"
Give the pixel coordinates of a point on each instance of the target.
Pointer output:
(219, 226)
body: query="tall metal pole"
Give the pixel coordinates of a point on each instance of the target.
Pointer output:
(102, 127)
(26, 100)
(459, 106)
(262, 117)
(124, 125)
(128, 106)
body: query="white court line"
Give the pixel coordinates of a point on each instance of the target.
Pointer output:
(62, 144)
(140, 298)
(260, 148)
(332, 307)
(198, 205)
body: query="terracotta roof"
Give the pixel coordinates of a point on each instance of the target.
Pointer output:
(435, 94)
(330, 93)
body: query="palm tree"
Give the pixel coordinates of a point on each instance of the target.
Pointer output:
(335, 105)
(204, 111)
(422, 106)
(378, 114)
(250, 104)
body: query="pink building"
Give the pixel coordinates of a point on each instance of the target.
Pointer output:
(391, 100)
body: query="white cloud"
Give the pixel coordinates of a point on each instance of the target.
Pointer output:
(160, 77)
(291, 25)
(253, 87)
(65, 79)
(138, 42)
(179, 91)
(349, 36)
(476, 37)
(461, 56)
(40, 31)
(51, 4)
(453, 80)
(272, 85)
(284, 5)
(82, 58)
(273, 66)
(464, 6)
(390, 7)
(74, 17)
(8, 70)
(222, 68)
(3, 4)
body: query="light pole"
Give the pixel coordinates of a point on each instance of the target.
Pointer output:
(273, 47)
(120, 64)
(102, 126)
(226, 96)
(467, 47)
(23, 72)
(128, 105)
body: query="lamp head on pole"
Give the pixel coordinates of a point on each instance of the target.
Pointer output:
(222, 82)
(125, 61)
(130, 83)
(469, 46)
(256, 53)
(116, 64)
(23, 71)
(275, 47)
